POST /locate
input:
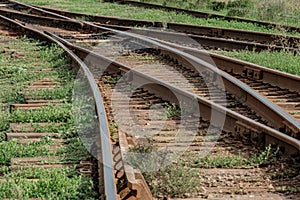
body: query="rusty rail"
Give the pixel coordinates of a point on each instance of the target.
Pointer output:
(274, 77)
(135, 179)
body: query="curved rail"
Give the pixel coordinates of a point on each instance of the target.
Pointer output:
(206, 15)
(272, 76)
(263, 102)
(260, 100)
(106, 158)
(233, 120)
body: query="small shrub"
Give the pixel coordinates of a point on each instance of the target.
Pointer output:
(172, 110)
(239, 7)
(174, 181)
(217, 6)
(268, 154)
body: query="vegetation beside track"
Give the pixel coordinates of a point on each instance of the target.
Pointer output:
(182, 177)
(52, 184)
(282, 12)
(282, 61)
(19, 60)
(22, 62)
(110, 9)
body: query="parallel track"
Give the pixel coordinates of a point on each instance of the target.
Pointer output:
(196, 30)
(205, 37)
(110, 162)
(235, 123)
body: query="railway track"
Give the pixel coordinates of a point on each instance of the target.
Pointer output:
(208, 15)
(203, 36)
(279, 126)
(288, 127)
(236, 125)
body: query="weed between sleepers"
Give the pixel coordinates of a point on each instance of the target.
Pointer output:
(181, 177)
(19, 58)
(60, 183)
(61, 113)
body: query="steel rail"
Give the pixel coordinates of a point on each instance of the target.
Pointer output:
(196, 31)
(272, 76)
(48, 21)
(282, 119)
(233, 119)
(212, 42)
(207, 15)
(209, 31)
(270, 135)
(106, 157)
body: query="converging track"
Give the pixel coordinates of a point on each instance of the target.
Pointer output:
(137, 75)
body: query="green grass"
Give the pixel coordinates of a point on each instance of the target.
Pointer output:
(18, 59)
(12, 149)
(100, 8)
(282, 61)
(62, 93)
(15, 69)
(59, 113)
(226, 160)
(280, 12)
(174, 181)
(21, 56)
(172, 110)
(181, 177)
(60, 183)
